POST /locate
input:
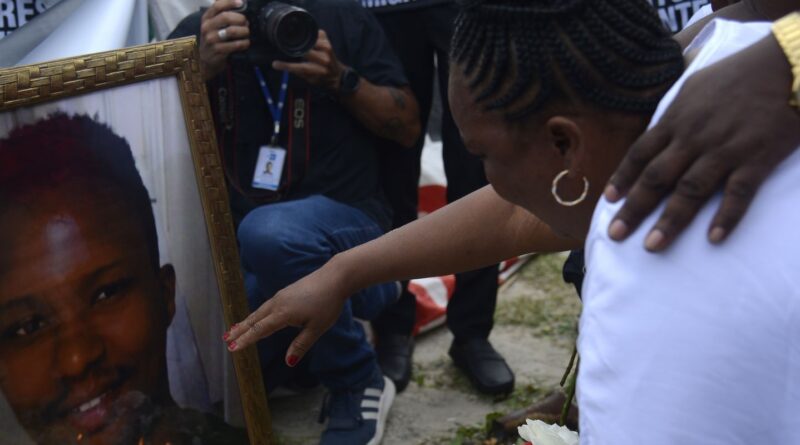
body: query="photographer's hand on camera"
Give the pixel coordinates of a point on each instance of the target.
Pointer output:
(321, 68)
(389, 112)
(222, 33)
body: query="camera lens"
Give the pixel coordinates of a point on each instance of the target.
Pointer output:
(291, 30)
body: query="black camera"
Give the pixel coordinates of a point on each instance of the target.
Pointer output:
(279, 30)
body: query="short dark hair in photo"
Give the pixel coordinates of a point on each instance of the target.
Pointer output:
(61, 149)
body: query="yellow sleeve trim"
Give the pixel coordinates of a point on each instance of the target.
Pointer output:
(787, 32)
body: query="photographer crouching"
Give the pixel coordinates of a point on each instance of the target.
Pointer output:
(301, 92)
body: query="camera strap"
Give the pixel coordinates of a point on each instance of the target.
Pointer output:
(300, 130)
(298, 137)
(276, 109)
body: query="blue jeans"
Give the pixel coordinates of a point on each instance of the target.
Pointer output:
(283, 242)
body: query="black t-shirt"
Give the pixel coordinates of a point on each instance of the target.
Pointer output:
(341, 153)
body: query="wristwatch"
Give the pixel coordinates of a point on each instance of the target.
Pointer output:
(349, 82)
(787, 32)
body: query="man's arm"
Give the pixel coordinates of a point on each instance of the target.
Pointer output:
(389, 112)
(728, 129)
(473, 232)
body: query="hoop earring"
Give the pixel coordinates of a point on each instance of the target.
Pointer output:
(580, 199)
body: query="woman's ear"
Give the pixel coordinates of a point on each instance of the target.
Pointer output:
(566, 137)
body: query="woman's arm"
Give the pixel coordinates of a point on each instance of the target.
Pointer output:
(476, 231)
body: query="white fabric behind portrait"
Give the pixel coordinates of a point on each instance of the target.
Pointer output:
(166, 15)
(149, 116)
(94, 26)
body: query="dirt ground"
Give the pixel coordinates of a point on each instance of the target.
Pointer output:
(535, 327)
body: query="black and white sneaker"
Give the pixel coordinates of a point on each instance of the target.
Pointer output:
(358, 417)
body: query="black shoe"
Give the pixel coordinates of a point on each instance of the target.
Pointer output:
(394, 357)
(484, 366)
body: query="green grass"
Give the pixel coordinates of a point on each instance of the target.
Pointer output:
(282, 440)
(551, 311)
(523, 395)
(550, 308)
(441, 373)
(474, 435)
(537, 300)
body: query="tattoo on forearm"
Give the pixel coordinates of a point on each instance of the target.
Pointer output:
(393, 128)
(399, 98)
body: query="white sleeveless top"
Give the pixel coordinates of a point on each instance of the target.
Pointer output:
(700, 344)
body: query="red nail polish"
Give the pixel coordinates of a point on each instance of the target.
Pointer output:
(226, 336)
(232, 345)
(234, 326)
(292, 360)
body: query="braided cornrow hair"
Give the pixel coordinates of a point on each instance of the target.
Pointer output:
(518, 55)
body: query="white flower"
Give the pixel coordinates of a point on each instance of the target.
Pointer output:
(540, 433)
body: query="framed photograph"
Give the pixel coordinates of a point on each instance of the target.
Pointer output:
(119, 268)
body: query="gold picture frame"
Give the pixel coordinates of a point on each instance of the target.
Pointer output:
(26, 86)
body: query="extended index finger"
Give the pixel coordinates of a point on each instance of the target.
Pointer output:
(258, 325)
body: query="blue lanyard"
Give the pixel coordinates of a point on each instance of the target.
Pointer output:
(275, 109)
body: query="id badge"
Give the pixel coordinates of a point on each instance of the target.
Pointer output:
(269, 168)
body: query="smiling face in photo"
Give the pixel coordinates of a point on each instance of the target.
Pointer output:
(83, 319)
(84, 311)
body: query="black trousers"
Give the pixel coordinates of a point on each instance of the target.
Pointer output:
(419, 36)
